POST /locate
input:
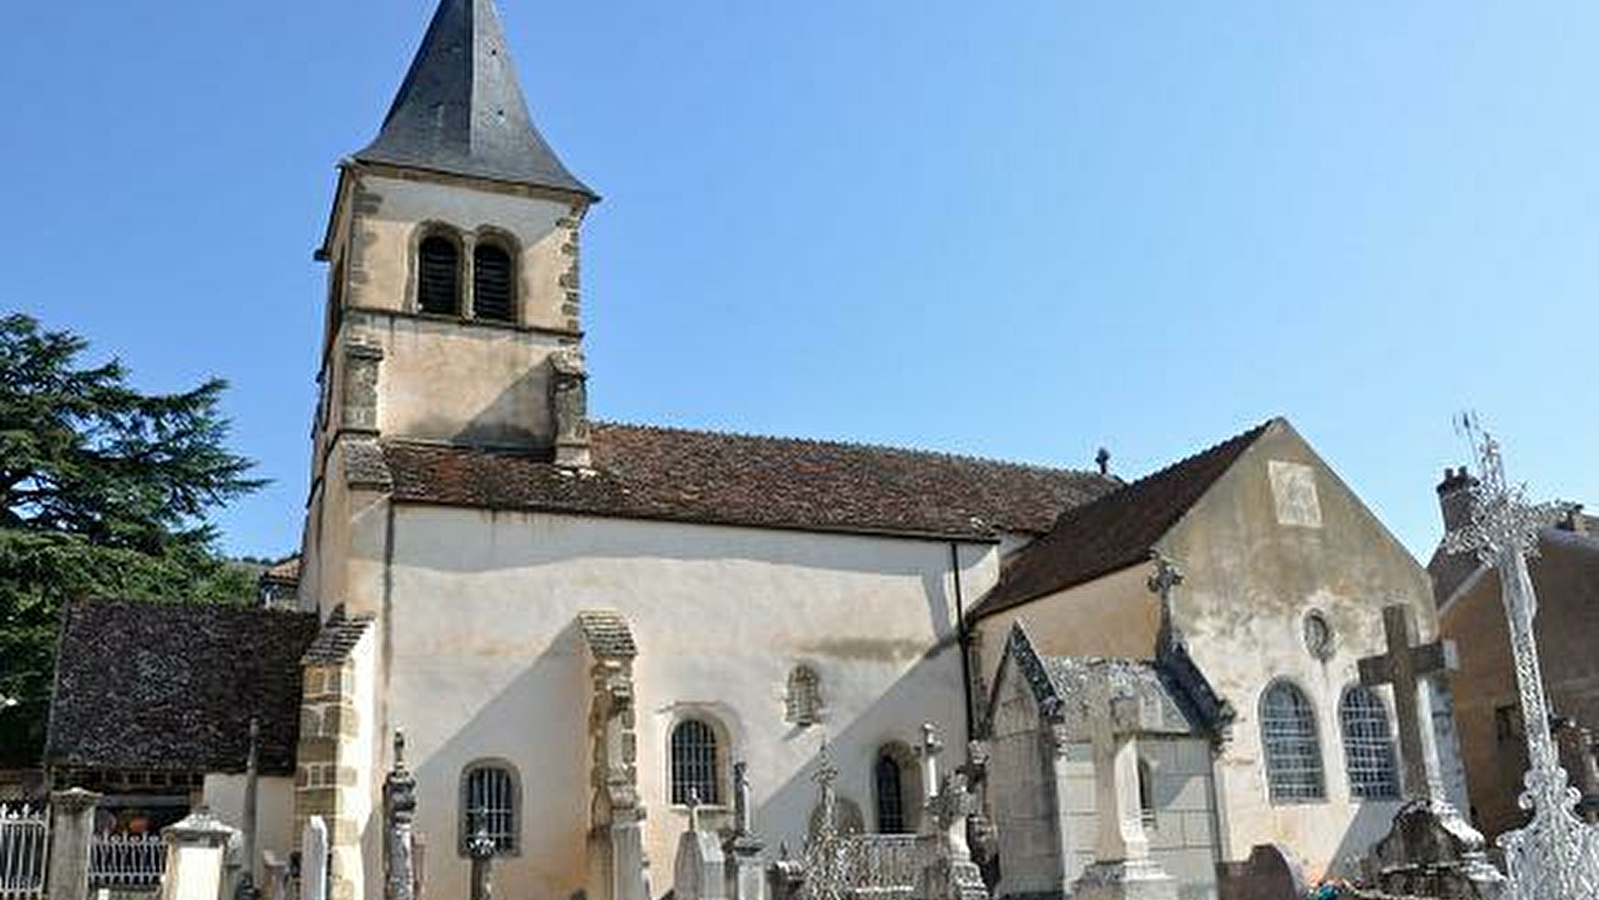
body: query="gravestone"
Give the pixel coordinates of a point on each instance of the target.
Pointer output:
(1431, 850)
(196, 851)
(701, 871)
(1269, 874)
(399, 813)
(948, 872)
(314, 860)
(1122, 867)
(746, 876)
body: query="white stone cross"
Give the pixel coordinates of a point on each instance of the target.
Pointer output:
(1405, 666)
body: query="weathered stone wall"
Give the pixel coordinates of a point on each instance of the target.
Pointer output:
(1023, 799)
(1259, 551)
(1112, 616)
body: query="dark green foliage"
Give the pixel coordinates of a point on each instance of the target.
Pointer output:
(105, 491)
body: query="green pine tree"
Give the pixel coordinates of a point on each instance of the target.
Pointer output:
(105, 491)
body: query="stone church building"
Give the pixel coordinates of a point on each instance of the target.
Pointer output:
(581, 626)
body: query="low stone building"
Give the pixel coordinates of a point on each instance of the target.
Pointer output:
(1565, 574)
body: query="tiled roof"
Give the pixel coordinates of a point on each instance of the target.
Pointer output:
(172, 687)
(1116, 531)
(607, 634)
(285, 572)
(339, 635)
(707, 477)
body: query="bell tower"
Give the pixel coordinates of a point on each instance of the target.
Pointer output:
(453, 303)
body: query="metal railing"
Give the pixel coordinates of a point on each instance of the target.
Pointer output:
(127, 862)
(24, 850)
(881, 866)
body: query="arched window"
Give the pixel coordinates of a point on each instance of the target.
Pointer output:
(438, 276)
(1293, 751)
(1146, 793)
(493, 284)
(490, 805)
(804, 702)
(695, 770)
(1368, 745)
(890, 789)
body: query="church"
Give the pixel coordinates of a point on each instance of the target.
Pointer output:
(583, 627)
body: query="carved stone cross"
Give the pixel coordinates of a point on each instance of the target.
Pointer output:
(1405, 666)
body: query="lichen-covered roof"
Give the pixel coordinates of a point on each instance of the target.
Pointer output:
(714, 478)
(172, 686)
(607, 634)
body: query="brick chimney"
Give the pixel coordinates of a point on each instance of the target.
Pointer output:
(1454, 498)
(1574, 520)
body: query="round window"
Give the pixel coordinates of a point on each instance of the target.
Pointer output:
(1318, 634)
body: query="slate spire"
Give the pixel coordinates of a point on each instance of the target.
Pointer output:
(460, 110)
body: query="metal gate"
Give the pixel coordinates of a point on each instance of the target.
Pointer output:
(24, 850)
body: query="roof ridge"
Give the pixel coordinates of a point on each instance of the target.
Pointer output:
(848, 444)
(1244, 437)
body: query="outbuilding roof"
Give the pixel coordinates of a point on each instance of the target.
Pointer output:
(1116, 531)
(173, 686)
(732, 479)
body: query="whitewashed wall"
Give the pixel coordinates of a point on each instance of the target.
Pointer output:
(484, 661)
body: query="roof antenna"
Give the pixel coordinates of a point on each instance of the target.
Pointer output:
(1103, 459)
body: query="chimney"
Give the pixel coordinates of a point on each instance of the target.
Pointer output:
(1574, 521)
(1454, 498)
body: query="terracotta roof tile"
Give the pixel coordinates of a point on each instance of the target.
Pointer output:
(707, 477)
(1116, 531)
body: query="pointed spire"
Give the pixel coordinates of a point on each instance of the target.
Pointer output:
(460, 110)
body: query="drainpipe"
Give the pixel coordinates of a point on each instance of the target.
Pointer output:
(963, 639)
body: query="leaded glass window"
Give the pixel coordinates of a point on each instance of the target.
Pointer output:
(890, 789)
(694, 764)
(1292, 748)
(489, 801)
(1368, 745)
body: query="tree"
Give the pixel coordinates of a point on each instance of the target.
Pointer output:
(105, 493)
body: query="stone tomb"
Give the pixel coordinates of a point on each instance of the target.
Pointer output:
(1045, 790)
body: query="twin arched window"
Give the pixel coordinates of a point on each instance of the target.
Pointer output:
(1368, 745)
(696, 773)
(438, 279)
(1292, 747)
(491, 800)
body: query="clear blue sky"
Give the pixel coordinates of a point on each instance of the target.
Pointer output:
(1019, 229)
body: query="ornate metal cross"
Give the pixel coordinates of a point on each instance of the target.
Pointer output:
(1405, 666)
(1556, 856)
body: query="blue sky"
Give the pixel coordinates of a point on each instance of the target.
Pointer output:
(1022, 229)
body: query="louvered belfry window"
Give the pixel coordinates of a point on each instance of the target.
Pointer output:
(438, 288)
(1368, 745)
(493, 287)
(489, 804)
(694, 771)
(1293, 749)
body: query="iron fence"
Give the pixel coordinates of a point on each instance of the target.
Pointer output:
(126, 862)
(24, 849)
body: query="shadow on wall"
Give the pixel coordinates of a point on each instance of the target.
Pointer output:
(538, 723)
(896, 717)
(1371, 823)
(508, 420)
